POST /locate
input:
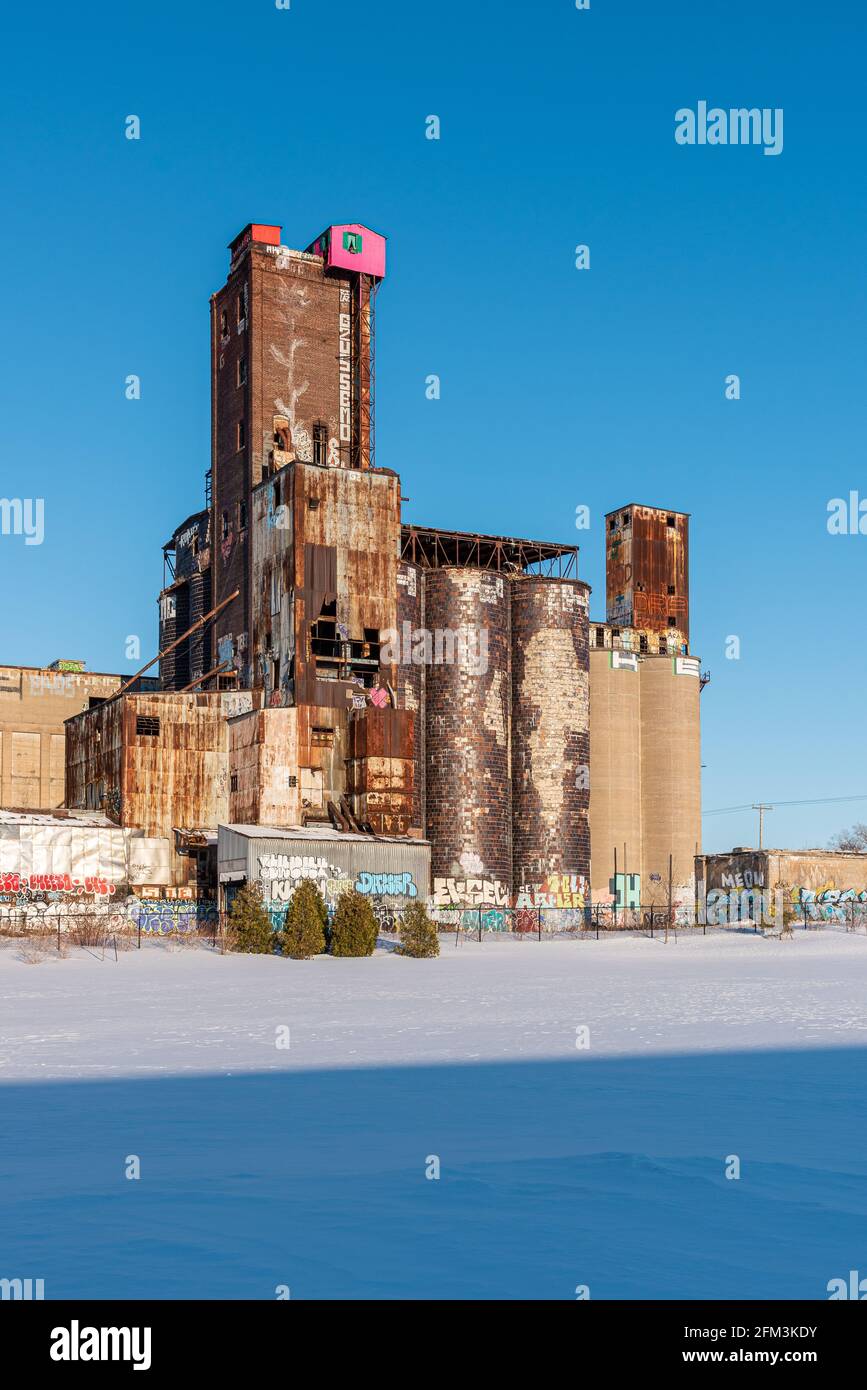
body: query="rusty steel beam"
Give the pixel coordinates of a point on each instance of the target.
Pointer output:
(200, 622)
(215, 671)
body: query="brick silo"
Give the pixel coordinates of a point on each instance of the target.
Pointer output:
(468, 731)
(410, 674)
(550, 731)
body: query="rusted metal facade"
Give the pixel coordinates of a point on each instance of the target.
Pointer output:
(647, 569)
(155, 762)
(550, 730)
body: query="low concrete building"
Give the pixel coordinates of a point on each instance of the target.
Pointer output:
(828, 884)
(35, 701)
(392, 872)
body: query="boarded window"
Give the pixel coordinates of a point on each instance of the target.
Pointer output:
(26, 750)
(322, 738)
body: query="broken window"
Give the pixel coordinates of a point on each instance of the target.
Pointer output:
(147, 725)
(242, 434)
(337, 655)
(242, 516)
(672, 621)
(669, 521)
(643, 643)
(600, 636)
(224, 322)
(626, 519)
(242, 370)
(225, 526)
(241, 309)
(320, 442)
(671, 588)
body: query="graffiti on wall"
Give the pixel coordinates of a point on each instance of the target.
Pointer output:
(161, 917)
(556, 890)
(26, 885)
(386, 885)
(470, 892)
(280, 874)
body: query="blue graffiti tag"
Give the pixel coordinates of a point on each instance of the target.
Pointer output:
(386, 885)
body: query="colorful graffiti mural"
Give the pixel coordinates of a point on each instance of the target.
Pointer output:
(164, 917)
(24, 884)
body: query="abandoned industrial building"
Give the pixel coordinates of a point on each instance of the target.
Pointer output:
(330, 673)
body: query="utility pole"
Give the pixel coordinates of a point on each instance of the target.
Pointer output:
(761, 808)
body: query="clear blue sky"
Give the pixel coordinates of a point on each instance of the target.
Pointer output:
(559, 387)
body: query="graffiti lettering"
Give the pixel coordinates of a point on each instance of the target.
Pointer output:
(387, 885)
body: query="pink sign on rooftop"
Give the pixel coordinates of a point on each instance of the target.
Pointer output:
(349, 246)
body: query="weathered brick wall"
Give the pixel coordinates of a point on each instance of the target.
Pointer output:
(290, 341)
(550, 729)
(468, 718)
(410, 675)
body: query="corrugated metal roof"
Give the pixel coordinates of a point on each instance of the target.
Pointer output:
(91, 819)
(317, 832)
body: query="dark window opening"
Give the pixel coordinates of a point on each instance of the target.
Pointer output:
(672, 621)
(320, 442)
(612, 522)
(242, 370)
(242, 434)
(643, 644)
(626, 519)
(224, 322)
(225, 526)
(233, 782)
(147, 725)
(338, 656)
(600, 637)
(275, 673)
(242, 516)
(241, 308)
(276, 494)
(669, 521)
(671, 588)
(94, 701)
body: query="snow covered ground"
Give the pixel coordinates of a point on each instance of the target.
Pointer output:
(305, 1166)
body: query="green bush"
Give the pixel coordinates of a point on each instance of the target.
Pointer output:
(303, 933)
(418, 934)
(353, 931)
(249, 924)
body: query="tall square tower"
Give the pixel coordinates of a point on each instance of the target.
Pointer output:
(292, 336)
(647, 569)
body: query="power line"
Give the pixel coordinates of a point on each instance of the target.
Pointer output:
(812, 801)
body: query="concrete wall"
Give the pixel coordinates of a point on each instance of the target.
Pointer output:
(34, 703)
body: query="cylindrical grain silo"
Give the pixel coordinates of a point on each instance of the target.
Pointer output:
(670, 769)
(615, 759)
(467, 731)
(409, 674)
(551, 757)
